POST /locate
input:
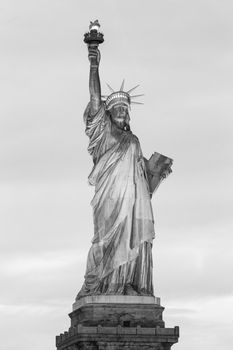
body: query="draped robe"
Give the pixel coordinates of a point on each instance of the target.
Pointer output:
(120, 258)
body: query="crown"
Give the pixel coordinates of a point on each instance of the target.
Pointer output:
(120, 97)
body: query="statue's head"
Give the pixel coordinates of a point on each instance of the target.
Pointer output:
(118, 104)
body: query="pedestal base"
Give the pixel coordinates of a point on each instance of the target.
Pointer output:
(116, 323)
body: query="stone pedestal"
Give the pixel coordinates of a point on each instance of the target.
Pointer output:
(116, 322)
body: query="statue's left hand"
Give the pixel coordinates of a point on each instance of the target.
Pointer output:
(166, 172)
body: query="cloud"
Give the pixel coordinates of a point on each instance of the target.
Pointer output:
(206, 322)
(193, 264)
(43, 278)
(42, 217)
(45, 262)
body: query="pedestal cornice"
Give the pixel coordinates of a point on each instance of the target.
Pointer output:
(116, 299)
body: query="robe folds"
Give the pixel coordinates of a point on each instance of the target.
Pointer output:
(120, 258)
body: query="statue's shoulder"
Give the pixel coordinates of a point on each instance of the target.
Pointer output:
(89, 117)
(134, 137)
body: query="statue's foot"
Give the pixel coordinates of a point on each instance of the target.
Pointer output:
(145, 292)
(129, 290)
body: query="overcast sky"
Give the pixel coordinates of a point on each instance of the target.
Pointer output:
(181, 54)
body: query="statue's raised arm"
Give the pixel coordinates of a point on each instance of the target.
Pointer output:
(94, 80)
(93, 38)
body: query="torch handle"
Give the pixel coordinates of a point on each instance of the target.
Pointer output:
(93, 45)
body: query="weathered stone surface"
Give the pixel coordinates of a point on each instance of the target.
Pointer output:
(111, 315)
(128, 339)
(117, 326)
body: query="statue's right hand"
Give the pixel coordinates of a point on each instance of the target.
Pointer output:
(94, 55)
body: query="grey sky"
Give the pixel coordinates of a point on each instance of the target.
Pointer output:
(181, 54)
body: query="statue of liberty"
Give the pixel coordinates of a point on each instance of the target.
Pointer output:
(120, 258)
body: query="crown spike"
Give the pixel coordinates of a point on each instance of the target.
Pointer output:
(122, 85)
(104, 96)
(135, 87)
(134, 96)
(110, 88)
(137, 103)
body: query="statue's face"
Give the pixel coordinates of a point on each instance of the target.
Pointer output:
(120, 116)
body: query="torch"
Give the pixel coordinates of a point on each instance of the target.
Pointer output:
(93, 38)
